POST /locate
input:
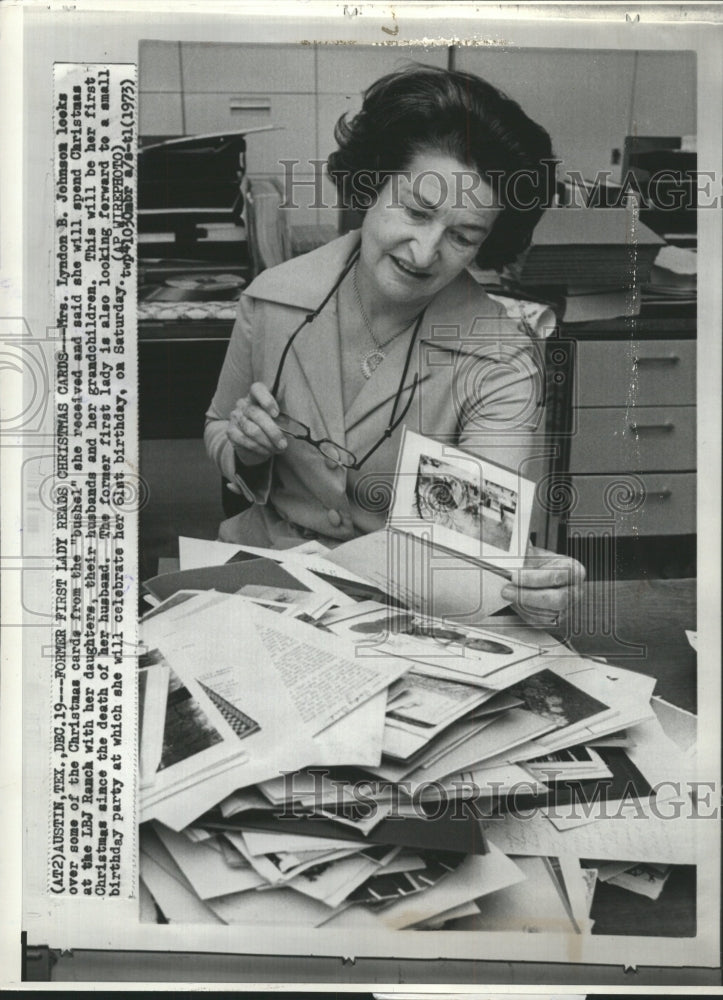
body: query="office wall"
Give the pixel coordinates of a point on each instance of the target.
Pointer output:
(588, 100)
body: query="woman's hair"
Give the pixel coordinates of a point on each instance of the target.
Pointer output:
(424, 108)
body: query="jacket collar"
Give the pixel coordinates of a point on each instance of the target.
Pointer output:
(303, 282)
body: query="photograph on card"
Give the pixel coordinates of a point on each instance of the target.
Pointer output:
(475, 655)
(556, 699)
(404, 623)
(445, 494)
(460, 503)
(186, 728)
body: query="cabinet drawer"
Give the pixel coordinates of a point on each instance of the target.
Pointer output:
(641, 373)
(212, 67)
(649, 504)
(295, 113)
(643, 438)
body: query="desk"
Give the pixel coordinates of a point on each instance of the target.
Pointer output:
(651, 616)
(178, 370)
(653, 612)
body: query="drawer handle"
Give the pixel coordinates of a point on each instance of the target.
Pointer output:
(656, 359)
(250, 104)
(663, 494)
(637, 428)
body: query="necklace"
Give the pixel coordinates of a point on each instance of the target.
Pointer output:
(371, 360)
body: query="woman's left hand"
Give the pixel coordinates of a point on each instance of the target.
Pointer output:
(546, 590)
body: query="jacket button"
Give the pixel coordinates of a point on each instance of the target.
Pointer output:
(334, 517)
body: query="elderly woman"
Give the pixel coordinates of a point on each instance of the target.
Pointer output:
(333, 353)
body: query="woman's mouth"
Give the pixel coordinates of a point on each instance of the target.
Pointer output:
(408, 270)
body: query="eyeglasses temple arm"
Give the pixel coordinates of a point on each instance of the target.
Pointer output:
(393, 421)
(309, 318)
(390, 428)
(403, 379)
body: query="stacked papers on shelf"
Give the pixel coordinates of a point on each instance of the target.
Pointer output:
(593, 247)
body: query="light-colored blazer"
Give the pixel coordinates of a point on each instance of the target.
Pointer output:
(480, 388)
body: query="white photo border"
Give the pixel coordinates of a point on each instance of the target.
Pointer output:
(92, 32)
(412, 449)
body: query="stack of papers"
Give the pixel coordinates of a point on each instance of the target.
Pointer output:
(594, 247)
(674, 273)
(310, 754)
(585, 305)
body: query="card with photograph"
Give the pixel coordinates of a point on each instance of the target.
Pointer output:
(460, 503)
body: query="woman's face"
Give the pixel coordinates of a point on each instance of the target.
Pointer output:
(425, 227)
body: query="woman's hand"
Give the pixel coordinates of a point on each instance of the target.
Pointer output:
(545, 592)
(251, 428)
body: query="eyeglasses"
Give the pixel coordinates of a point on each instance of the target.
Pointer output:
(334, 452)
(328, 448)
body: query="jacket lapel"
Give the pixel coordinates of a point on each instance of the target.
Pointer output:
(303, 282)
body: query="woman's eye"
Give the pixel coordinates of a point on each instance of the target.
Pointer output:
(462, 241)
(415, 213)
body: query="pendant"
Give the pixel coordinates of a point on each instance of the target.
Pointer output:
(371, 361)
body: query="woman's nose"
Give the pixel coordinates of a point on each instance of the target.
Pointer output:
(425, 246)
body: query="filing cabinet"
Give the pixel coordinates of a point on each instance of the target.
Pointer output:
(625, 472)
(161, 114)
(192, 88)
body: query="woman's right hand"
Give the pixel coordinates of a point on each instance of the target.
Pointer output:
(251, 427)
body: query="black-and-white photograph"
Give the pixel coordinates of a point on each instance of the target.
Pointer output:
(366, 357)
(186, 728)
(251, 222)
(461, 503)
(556, 699)
(483, 510)
(407, 624)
